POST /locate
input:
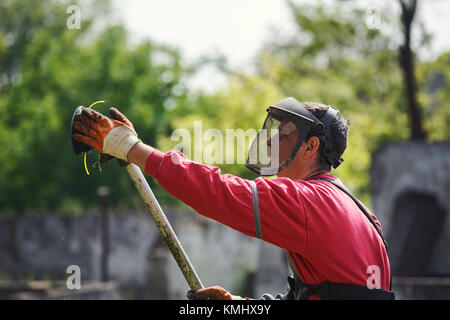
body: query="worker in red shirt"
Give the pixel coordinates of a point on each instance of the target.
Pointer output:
(334, 244)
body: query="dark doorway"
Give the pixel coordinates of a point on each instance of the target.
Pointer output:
(418, 222)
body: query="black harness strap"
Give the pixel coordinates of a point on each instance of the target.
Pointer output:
(337, 291)
(358, 203)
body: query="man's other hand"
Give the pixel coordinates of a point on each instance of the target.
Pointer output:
(211, 293)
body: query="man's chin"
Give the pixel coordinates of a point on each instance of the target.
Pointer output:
(283, 173)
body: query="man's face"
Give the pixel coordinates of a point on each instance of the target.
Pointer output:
(273, 145)
(288, 138)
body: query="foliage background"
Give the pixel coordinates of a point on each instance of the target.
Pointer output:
(47, 70)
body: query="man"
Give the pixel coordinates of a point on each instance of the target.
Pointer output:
(334, 244)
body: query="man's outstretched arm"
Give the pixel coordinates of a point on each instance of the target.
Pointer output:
(222, 197)
(139, 154)
(279, 218)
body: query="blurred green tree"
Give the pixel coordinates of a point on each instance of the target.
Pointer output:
(406, 60)
(336, 59)
(46, 71)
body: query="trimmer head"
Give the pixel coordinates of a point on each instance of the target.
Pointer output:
(78, 147)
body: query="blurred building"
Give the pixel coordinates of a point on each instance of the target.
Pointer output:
(411, 196)
(410, 191)
(138, 262)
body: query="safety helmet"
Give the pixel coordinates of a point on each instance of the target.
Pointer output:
(283, 118)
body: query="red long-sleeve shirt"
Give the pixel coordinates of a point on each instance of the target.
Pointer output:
(325, 233)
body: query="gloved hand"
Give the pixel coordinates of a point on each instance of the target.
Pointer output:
(113, 137)
(211, 293)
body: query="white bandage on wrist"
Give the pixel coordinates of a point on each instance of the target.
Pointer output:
(119, 141)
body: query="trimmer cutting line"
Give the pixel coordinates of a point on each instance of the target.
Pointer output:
(153, 207)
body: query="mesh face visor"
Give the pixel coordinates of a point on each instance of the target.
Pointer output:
(277, 143)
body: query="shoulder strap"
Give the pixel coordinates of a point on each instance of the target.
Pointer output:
(256, 209)
(363, 210)
(359, 204)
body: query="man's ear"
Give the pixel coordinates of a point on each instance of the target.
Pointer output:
(312, 147)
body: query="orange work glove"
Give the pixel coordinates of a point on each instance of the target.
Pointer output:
(105, 135)
(211, 293)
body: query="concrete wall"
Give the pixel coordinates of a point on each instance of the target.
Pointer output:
(36, 248)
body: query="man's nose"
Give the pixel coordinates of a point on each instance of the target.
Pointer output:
(269, 141)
